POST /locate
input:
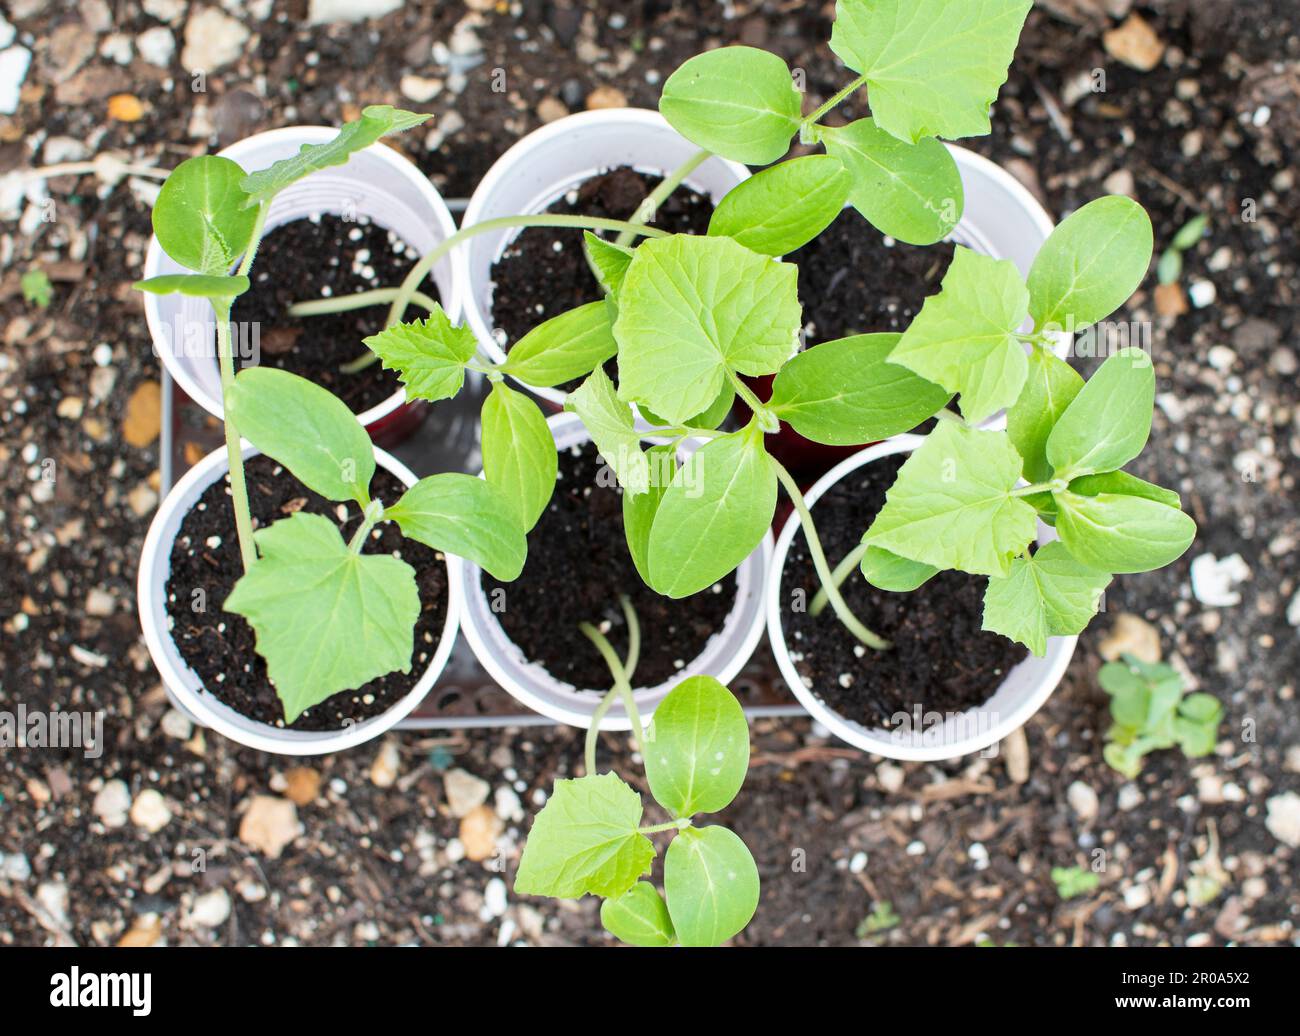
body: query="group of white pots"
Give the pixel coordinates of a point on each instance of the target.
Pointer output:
(1001, 219)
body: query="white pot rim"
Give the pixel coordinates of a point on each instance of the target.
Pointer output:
(306, 135)
(180, 681)
(878, 741)
(571, 705)
(504, 167)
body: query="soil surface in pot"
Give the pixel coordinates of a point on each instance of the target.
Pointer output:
(852, 279)
(578, 565)
(220, 646)
(940, 659)
(544, 271)
(297, 261)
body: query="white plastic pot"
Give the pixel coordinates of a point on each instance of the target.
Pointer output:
(1000, 217)
(377, 183)
(543, 166)
(529, 682)
(1020, 695)
(184, 685)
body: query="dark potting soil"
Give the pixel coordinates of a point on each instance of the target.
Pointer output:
(940, 659)
(297, 261)
(851, 281)
(544, 272)
(220, 646)
(578, 565)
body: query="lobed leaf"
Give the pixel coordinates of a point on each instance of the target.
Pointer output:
(909, 191)
(845, 393)
(933, 67)
(306, 428)
(964, 338)
(785, 206)
(466, 516)
(738, 102)
(429, 355)
(585, 840)
(1046, 594)
(691, 309)
(326, 619)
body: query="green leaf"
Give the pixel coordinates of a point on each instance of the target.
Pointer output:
(1201, 708)
(1126, 759)
(1122, 533)
(518, 452)
(888, 571)
(610, 260)
(377, 120)
(306, 428)
(951, 504)
(563, 348)
(639, 511)
(639, 917)
(198, 285)
(585, 840)
(429, 355)
(326, 619)
(200, 218)
(785, 206)
(964, 337)
(1050, 386)
(708, 418)
(1190, 232)
(37, 289)
(1170, 266)
(711, 883)
(613, 429)
(909, 191)
(844, 393)
(715, 512)
(465, 516)
(1047, 594)
(738, 102)
(1123, 483)
(1090, 264)
(696, 748)
(933, 67)
(1195, 739)
(1108, 422)
(692, 308)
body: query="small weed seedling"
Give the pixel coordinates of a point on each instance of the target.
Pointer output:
(36, 288)
(1151, 711)
(588, 838)
(327, 617)
(1074, 881)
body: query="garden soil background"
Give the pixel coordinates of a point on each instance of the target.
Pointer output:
(175, 835)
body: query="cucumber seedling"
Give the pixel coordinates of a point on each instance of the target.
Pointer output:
(327, 616)
(1152, 711)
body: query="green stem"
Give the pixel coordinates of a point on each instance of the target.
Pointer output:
(767, 420)
(633, 636)
(628, 668)
(650, 205)
(255, 240)
(593, 731)
(620, 678)
(671, 825)
(234, 451)
(841, 607)
(818, 112)
(841, 573)
(373, 513)
(359, 300)
(1053, 486)
(430, 259)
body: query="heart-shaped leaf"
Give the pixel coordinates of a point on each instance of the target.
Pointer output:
(200, 217)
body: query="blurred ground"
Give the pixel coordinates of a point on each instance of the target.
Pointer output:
(144, 844)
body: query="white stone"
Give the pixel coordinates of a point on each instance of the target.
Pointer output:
(168, 11)
(1284, 818)
(113, 803)
(508, 806)
(150, 811)
(212, 40)
(1214, 578)
(156, 46)
(419, 89)
(176, 724)
(7, 33)
(323, 12)
(384, 770)
(1083, 800)
(14, 63)
(1202, 293)
(464, 791)
(495, 899)
(117, 47)
(15, 867)
(1137, 896)
(53, 898)
(63, 149)
(891, 777)
(1293, 610)
(210, 909)
(1129, 797)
